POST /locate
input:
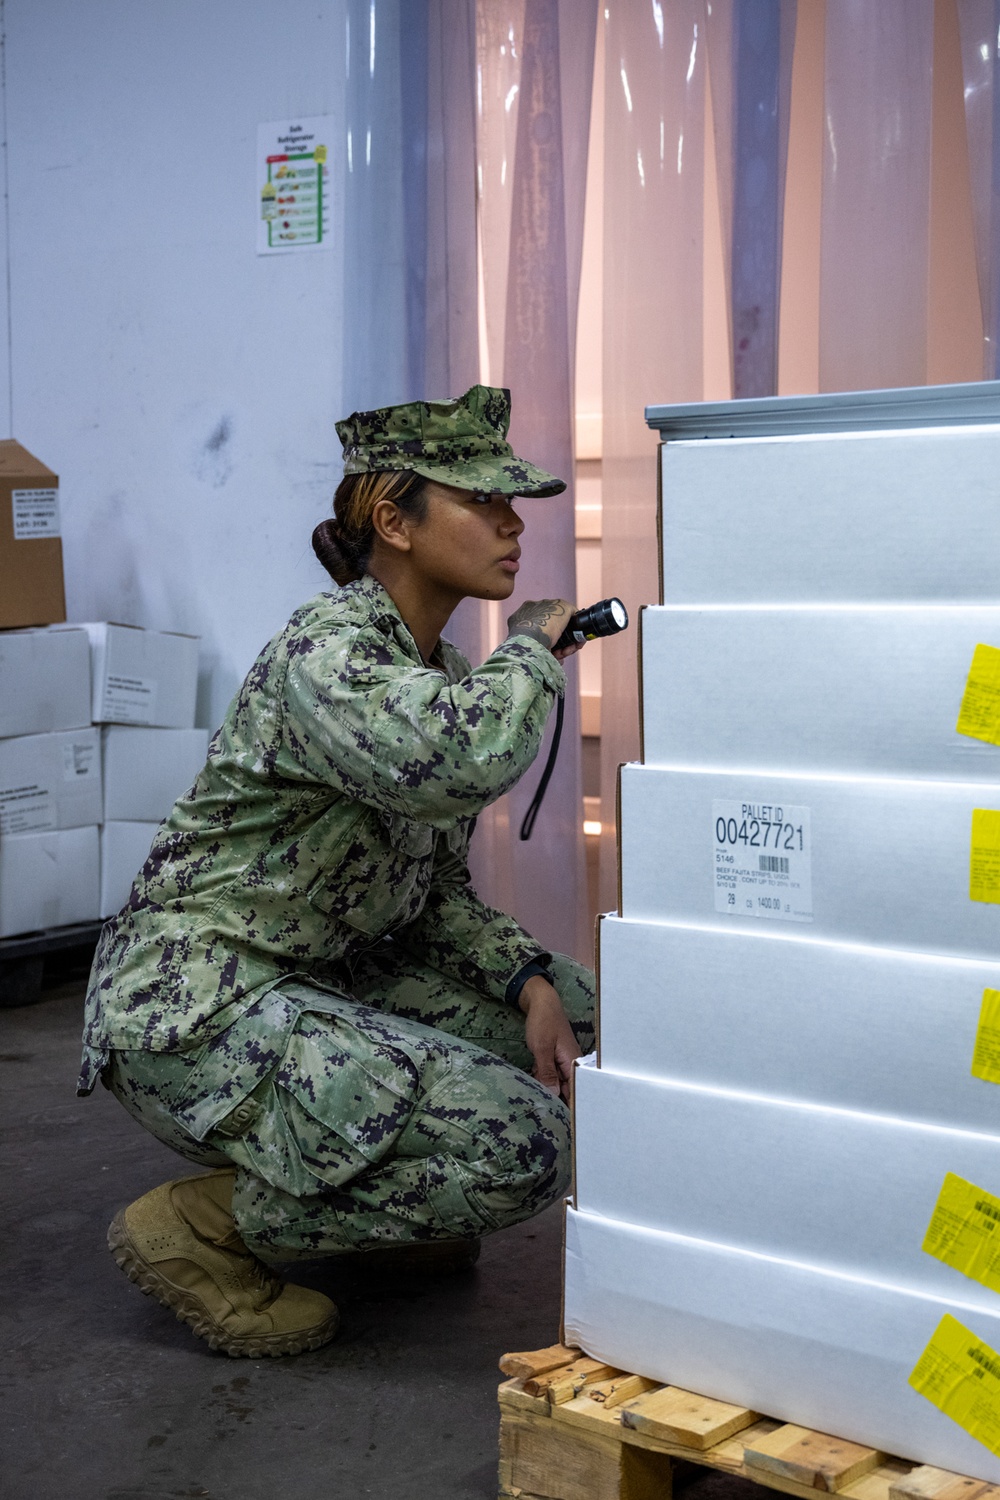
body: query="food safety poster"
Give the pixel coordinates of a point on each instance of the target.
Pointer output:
(293, 185)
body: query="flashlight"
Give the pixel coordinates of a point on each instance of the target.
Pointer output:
(605, 618)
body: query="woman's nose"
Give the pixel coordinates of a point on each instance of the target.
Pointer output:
(512, 524)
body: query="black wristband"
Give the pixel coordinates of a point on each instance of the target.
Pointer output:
(512, 994)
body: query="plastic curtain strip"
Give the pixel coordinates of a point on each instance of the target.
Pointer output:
(653, 210)
(750, 66)
(411, 275)
(979, 21)
(876, 194)
(535, 72)
(376, 361)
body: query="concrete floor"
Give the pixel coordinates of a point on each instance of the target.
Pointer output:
(106, 1397)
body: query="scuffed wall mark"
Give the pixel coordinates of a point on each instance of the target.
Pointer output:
(214, 463)
(220, 437)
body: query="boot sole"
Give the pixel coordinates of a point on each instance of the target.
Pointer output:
(187, 1308)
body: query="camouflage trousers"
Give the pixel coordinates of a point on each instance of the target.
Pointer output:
(401, 1112)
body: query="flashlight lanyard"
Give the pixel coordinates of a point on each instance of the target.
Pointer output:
(536, 801)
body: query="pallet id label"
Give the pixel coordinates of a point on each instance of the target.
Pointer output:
(762, 860)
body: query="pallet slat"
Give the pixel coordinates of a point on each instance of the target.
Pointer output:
(811, 1458)
(567, 1381)
(683, 1417)
(928, 1483)
(537, 1361)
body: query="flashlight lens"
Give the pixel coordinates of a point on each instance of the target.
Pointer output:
(619, 614)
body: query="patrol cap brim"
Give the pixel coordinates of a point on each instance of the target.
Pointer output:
(459, 442)
(512, 476)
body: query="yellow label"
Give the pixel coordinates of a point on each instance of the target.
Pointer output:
(986, 1057)
(979, 716)
(984, 862)
(964, 1231)
(960, 1375)
(320, 155)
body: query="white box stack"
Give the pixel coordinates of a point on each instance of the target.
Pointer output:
(798, 981)
(79, 804)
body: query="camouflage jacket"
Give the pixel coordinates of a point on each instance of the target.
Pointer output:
(335, 806)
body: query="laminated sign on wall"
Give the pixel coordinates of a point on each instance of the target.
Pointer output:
(293, 185)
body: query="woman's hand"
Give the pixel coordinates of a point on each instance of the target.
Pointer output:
(544, 620)
(549, 1036)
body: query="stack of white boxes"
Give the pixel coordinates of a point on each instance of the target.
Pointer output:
(82, 785)
(788, 1156)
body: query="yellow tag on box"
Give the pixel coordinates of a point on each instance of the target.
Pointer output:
(960, 1375)
(986, 1057)
(964, 1231)
(979, 716)
(984, 861)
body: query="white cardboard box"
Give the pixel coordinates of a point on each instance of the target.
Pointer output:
(847, 517)
(839, 1190)
(827, 1351)
(146, 770)
(124, 847)
(143, 676)
(852, 859)
(48, 879)
(872, 691)
(44, 680)
(50, 781)
(779, 1013)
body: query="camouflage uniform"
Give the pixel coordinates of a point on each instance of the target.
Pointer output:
(319, 861)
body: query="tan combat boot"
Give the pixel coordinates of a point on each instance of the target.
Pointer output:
(180, 1244)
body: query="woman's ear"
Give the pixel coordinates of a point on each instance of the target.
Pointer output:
(392, 525)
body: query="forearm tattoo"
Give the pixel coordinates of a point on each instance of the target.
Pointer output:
(531, 618)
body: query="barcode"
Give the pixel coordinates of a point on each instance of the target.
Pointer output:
(773, 863)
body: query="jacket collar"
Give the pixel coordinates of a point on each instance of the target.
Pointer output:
(386, 617)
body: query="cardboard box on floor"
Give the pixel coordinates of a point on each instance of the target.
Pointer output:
(780, 1013)
(50, 781)
(31, 564)
(124, 847)
(142, 676)
(44, 680)
(828, 1351)
(847, 858)
(49, 879)
(869, 691)
(836, 1189)
(146, 770)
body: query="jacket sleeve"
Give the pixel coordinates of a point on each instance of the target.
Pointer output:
(469, 941)
(361, 717)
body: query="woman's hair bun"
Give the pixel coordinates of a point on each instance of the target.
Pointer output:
(328, 545)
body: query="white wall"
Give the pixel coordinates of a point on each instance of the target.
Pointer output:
(183, 388)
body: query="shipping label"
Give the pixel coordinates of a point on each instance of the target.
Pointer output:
(36, 514)
(964, 1231)
(762, 860)
(984, 857)
(960, 1375)
(28, 808)
(979, 715)
(129, 700)
(79, 760)
(986, 1056)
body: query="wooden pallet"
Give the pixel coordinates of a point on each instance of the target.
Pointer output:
(572, 1428)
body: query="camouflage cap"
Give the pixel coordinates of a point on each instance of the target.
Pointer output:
(461, 442)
